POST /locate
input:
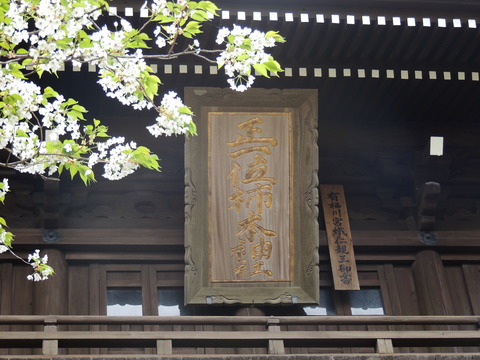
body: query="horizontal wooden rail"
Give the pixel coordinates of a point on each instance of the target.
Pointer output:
(273, 337)
(238, 320)
(467, 335)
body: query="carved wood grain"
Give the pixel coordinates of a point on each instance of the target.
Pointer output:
(305, 285)
(190, 195)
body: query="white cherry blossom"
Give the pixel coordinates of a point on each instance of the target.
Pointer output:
(42, 131)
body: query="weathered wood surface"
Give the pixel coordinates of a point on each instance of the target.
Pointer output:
(171, 237)
(260, 333)
(135, 339)
(202, 356)
(50, 296)
(250, 179)
(240, 320)
(339, 235)
(302, 284)
(472, 276)
(466, 335)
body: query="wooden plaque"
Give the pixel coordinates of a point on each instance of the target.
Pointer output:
(251, 228)
(340, 245)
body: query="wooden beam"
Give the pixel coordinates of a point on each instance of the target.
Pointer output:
(164, 347)
(102, 237)
(50, 347)
(384, 346)
(275, 346)
(365, 239)
(472, 336)
(121, 256)
(51, 202)
(427, 205)
(240, 320)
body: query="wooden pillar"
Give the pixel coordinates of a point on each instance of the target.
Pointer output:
(50, 296)
(50, 347)
(275, 346)
(250, 311)
(431, 284)
(432, 290)
(164, 347)
(384, 346)
(6, 280)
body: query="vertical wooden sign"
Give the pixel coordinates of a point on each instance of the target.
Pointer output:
(340, 246)
(250, 167)
(251, 197)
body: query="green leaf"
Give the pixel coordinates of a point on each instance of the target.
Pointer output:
(85, 43)
(5, 45)
(48, 92)
(272, 66)
(8, 239)
(151, 85)
(143, 157)
(86, 174)
(192, 128)
(64, 43)
(162, 19)
(275, 35)
(192, 26)
(73, 170)
(76, 114)
(208, 6)
(185, 110)
(15, 69)
(52, 147)
(21, 133)
(88, 129)
(79, 108)
(69, 102)
(27, 62)
(200, 15)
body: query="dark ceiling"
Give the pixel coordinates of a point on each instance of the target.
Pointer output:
(378, 99)
(376, 74)
(382, 72)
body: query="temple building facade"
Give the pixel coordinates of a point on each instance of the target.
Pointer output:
(353, 233)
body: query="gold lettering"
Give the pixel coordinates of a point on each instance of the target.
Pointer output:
(259, 196)
(234, 173)
(239, 251)
(257, 269)
(251, 130)
(250, 226)
(261, 250)
(265, 149)
(237, 199)
(258, 174)
(241, 270)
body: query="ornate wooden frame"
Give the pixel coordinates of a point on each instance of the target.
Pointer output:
(303, 287)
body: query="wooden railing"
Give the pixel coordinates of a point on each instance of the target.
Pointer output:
(270, 332)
